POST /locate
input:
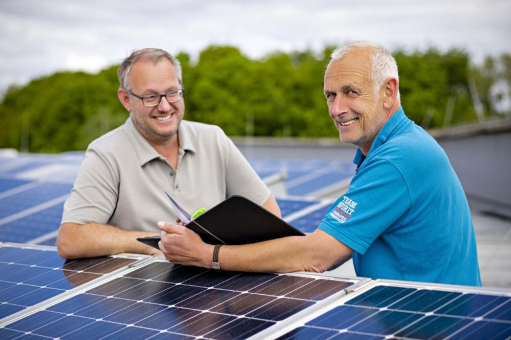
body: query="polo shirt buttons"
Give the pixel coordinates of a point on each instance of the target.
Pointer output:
(177, 186)
(172, 172)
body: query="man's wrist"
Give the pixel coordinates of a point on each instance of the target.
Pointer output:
(215, 263)
(207, 256)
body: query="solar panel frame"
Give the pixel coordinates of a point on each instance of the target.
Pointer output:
(364, 309)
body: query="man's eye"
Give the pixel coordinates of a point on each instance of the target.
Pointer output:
(150, 98)
(330, 96)
(352, 93)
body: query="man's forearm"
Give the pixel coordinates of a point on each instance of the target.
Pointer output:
(314, 252)
(94, 239)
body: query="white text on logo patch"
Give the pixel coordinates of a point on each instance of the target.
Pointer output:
(344, 209)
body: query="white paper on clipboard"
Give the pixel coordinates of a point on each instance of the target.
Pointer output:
(180, 212)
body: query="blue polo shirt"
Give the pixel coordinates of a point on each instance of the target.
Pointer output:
(405, 213)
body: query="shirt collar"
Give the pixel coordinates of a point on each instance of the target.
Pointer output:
(146, 153)
(186, 140)
(382, 136)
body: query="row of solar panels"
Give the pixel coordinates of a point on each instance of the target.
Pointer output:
(316, 178)
(33, 189)
(31, 211)
(139, 297)
(132, 296)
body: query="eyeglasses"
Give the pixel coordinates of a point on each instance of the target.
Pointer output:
(154, 99)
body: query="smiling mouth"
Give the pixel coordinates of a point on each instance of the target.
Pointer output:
(349, 122)
(164, 118)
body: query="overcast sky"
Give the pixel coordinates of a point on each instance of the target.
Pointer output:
(39, 37)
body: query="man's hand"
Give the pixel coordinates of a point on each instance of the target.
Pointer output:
(156, 253)
(181, 245)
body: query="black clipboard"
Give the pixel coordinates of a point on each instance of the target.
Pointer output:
(235, 221)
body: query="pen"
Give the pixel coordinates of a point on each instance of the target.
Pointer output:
(198, 213)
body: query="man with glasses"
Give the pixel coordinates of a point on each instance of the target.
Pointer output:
(405, 215)
(119, 193)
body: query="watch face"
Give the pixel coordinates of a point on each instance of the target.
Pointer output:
(215, 265)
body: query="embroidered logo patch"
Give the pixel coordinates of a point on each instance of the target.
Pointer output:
(344, 209)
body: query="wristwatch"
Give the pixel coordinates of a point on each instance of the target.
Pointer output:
(215, 264)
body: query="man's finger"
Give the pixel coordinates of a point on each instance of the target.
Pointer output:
(170, 228)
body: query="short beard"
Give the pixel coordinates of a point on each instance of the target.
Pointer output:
(152, 135)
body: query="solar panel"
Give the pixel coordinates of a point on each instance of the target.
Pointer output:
(306, 176)
(313, 182)
(10, 183)
(163, 300)
(289, 206)
(309, 222)
(21, 201)
(30, 275)
(393, 310)
(26, 163)
(32, 226)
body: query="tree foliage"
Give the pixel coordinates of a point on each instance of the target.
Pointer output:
(278, 95)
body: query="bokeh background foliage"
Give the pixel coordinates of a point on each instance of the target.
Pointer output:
(278, 95)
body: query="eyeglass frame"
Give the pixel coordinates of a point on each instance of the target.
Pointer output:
(181, 90)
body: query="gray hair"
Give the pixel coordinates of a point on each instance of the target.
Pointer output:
(147, 54)
(384, 65)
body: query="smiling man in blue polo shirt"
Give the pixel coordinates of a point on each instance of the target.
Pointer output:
(405, 215)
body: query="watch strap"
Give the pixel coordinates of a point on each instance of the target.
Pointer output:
(215, 264)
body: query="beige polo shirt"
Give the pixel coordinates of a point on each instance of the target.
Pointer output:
(122, 180)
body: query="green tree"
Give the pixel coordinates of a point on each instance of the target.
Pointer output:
(281, 94)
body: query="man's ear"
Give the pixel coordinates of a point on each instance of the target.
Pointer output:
(390, 92)
(124, 98)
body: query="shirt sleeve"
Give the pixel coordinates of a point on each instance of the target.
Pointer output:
(241, 178)
(378, 197)
(95, 192)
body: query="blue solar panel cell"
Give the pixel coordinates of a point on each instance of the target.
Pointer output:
(16, 203)
(242, 304)
(280, 309)
(9, 334)
(315, 184)
(35, 225)
(342, 317)
(434, 326)
(95, 330)
(6, 310)
(8, 184)
(246, 282)
(27, 164)
(473, 305)
(425, 301)
(381, 296)
(167, 317)
(484, 330)
(52, 242)
(35, 321)
(310, 222)
(385, 322)
(30, 276)
(202, 323)
(503, 312)
(416, 313)
(290, 206)
(178, 302)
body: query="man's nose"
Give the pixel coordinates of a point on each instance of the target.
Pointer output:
(338, 106)
(164, 104)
